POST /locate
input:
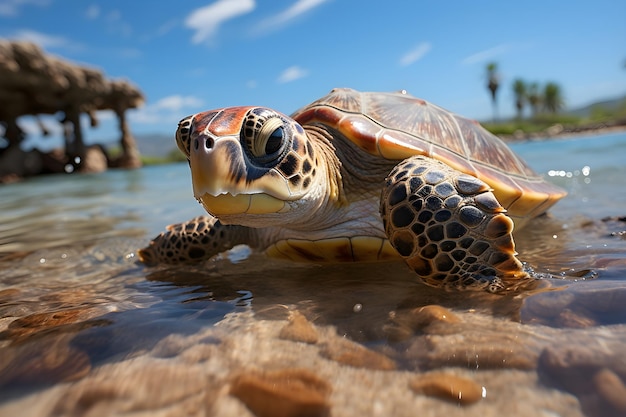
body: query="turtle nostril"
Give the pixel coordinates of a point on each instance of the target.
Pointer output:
(208, 143)
(205, 141)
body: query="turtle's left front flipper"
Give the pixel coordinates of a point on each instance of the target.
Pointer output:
(449, 227)
(194, 241)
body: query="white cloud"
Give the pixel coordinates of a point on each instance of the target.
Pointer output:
(177, 102)
(44, 40)
(11, 8)
(206, 20)
(486, 54)
(92, 12)
(415, 54)
(291, 74)
(298, 8)
(169, 109)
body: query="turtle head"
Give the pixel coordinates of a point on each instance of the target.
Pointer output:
(249, 165)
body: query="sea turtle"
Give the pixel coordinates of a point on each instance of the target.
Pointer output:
(358, 176)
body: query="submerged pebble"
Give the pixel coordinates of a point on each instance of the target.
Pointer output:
(284, 393)
(62, 321)
(299, 329)
(486, 349)
(433, 319)
(358, 356)
(595, 373)
(611, 388)
(35, 363)
(462, 391)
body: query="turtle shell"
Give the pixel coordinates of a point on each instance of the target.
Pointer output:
(397, 125)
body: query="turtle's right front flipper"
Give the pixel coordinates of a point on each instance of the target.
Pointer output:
(450, 228)
(193, 241)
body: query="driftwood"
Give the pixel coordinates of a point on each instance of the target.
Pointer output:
(35, 83)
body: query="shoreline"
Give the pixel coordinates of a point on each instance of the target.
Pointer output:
(558, 131)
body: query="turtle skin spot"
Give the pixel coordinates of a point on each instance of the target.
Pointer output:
(434, 177)
(445, 189)
(417, 205)
(309, 150)
(443, 216)
(402, 216)
(421, 267)
(429, 251)
(295, 180)
(458, 255)
(289, 165)
(196, 252)
(435, 233)
(397, 194)
(455, 230)
(466, 242)
(478, 248)
(488, 202)
(400, 176)
(417, 228)
(444, 263)
(424, 216)
(447, 245)
(306, 166)
(403, 243)
(499, 226)
(471, 216)
(452, 201)
(469, 185)
(433, 203)
(415, 183)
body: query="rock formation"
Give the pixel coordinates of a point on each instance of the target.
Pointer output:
(34, 83)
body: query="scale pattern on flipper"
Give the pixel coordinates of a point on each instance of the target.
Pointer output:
(193, 241)
(449, 227)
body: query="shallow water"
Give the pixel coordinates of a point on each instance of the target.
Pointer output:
(74, 301)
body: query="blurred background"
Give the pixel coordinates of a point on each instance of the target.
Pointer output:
(505, 64)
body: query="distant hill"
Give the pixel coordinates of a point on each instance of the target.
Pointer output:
(608, 104)
(156, 144)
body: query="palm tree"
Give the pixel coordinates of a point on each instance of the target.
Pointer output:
(519, 89)
(553, 97)
(534, 98)
(493, 82)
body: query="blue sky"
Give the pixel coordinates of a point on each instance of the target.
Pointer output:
(189, 56)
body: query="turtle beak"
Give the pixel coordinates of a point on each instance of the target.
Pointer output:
(220, 179)
(217, 165)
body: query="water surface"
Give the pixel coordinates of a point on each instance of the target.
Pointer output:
(73, 299)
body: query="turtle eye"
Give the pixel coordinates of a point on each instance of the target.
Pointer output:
(266, 139)
(274, 141)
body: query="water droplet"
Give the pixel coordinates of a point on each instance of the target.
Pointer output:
(586, 170)
(69, 168)
(357, 307)
(483, 392)
(554, 236)
(42, 260)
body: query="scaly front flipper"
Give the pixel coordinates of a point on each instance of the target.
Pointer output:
(449, 227)
(194, 241)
